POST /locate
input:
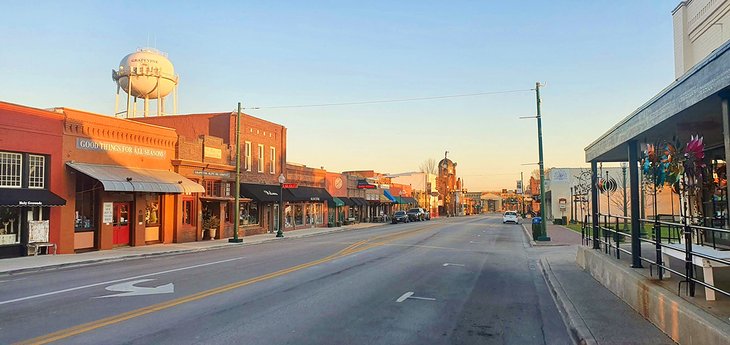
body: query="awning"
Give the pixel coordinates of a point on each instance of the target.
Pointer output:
(309, 194)
(388, 195)
(347, 201)
(359, 201)
(27, 197)
(117, 178)
(407, 200)
(335, 202)
(263, 192)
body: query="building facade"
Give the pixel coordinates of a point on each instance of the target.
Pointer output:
(699, 28)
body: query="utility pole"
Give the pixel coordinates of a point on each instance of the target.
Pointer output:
(236, 209)
(522, 189)
(543, 225)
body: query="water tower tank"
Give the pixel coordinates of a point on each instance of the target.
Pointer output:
(152, 74)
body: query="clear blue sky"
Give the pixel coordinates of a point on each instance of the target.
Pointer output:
(600, 60)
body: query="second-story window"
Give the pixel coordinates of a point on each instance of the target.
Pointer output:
(247, 156)
(272, 160)
(261, 159)
(10, 169)
(37, 173)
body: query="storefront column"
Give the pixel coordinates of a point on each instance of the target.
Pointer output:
(594, 203)
(633, 166)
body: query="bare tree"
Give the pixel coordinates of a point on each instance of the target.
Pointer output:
(428, 166)
(536, 174)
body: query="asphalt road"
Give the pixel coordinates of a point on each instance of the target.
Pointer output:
(463, 280)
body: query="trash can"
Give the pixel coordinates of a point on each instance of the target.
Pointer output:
(536, 227)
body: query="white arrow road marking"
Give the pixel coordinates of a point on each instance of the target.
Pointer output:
(423, 298)
(409, 294)
(404, 296)
(450, 264)
(473, 242)
(128, 289)
(112, 281)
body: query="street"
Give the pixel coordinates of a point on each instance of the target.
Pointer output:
(448, 281)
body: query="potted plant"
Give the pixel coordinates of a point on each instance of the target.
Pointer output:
(211, 224)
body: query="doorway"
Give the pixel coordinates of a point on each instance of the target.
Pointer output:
(120, 224)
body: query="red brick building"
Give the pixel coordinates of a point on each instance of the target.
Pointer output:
(31, 166)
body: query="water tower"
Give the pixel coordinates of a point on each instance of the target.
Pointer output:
(145, 74)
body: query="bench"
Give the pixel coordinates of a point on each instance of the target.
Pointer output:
(676, 250)
(36, 247)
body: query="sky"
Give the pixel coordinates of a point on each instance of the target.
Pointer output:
(599, 61)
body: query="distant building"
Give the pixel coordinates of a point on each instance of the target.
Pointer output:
(699, 29)
(447, 186)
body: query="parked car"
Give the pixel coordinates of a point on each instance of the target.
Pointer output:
(400, 217)
(416, 214)
(510, 217)
(427, 215)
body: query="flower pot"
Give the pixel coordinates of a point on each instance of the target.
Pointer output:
(212, 233)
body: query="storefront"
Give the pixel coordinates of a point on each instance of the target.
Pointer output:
(307, 207)
(24, 214)
(358, 209)
(259, 210)
(121, 206)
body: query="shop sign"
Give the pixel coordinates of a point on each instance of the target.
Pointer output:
(289, 185)
(314, 198)
(107, 213)
(93, 145)
(563, 203)
(363, 184)
(212, 152)
(212, 173)
(30, 203)
(270, 193)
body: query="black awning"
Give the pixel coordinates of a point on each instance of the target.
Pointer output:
(359, 201)
(347, 201)
(27, 197)
(262, 192)
(309, 194)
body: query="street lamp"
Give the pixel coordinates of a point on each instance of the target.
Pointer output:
(401, 198)
(282, 179)
(237, 202)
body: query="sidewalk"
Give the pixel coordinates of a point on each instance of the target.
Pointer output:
(44, 262)
(559, 236)
(593, 314)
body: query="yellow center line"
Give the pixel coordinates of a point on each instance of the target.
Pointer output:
(90, 326)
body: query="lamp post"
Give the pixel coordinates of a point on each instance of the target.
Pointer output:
(543, 225)
(237, 203)
(401, 198)
(282, 179)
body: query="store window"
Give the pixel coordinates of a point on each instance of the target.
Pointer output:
(152, 213)
(37, 173)
(227, 212)
(189, 212)
(249, 213)
(10, 169)
(247, 156)
(318, 213)
(261, 159)
(85, 204)
(299, 214)
(288, 216)
(10, 225)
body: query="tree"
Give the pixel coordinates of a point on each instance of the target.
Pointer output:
(428, 166)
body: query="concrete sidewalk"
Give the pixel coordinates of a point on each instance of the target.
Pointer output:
(593, 314)
(44, 262)
(559, 236)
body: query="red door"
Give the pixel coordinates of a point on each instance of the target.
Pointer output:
(120, 223)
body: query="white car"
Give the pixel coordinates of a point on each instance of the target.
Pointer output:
(510, 217)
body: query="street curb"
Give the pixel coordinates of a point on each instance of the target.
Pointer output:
(528, 235)
(170, 252)
(575, 324)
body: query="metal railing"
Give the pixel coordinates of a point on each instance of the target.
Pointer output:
(662, 235)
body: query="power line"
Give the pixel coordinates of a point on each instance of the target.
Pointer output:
(391, 100)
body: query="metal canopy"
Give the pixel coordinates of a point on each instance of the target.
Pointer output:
(692, 98)
(116, 178)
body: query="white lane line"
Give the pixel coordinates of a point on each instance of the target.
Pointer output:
(473, 242)
(404, 296)
(450, 264)
(113, 281)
